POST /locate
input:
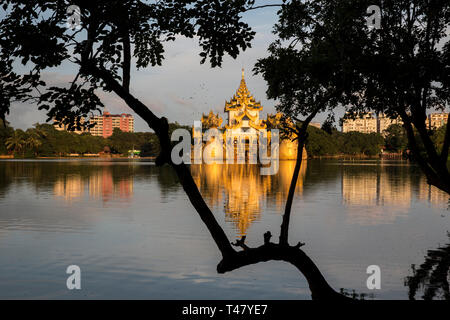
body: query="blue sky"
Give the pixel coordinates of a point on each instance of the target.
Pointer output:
(181, 89)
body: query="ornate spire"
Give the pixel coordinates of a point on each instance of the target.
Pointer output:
(243, 99)
(246, 106)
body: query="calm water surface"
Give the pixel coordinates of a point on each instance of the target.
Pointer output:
(131, 229)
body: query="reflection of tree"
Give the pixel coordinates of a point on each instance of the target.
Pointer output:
(167, 180)
(432, 276)
(6, 178)
(430, 194)
(10, 170)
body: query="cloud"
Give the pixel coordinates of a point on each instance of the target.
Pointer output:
(24, 115)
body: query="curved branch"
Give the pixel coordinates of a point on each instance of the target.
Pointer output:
(320, 289)
(263, 6)
(433, 177)
(301, 136)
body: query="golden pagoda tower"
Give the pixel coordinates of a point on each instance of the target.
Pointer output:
(243, 111)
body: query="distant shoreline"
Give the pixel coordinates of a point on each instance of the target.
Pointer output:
(340, 156)
(78, 158)
(360, 157)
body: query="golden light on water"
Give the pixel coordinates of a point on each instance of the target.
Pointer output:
(370, 193)
(243, 190)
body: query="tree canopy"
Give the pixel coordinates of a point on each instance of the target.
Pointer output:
(34, 34)
(326, 56)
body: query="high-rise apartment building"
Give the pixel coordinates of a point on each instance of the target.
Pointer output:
(106, 123)
(369, 123)
(364, 123)
(436, 120)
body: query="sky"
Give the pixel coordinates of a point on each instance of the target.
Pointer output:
(181, 89)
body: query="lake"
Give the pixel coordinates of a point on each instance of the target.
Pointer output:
(130, 228)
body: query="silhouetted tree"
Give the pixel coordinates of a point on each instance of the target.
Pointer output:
(396, 139)
(101, 51)
(5, 132)
(401, 69)
(16, 143)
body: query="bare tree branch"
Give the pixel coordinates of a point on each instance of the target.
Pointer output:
(301, 137)
(264, 6)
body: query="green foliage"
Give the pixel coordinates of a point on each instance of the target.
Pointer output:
(321, 143)
(121, 142)
(329, 127)
(438, 136)
(16, 142)
(5, 133)
(326, 44)
(360, 143)
(34, 37)
(396, 139)
(45, 141)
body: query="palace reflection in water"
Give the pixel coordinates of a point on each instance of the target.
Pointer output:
(243, 189)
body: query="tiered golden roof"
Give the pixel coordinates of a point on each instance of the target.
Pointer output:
(243, 99)
(252, 121)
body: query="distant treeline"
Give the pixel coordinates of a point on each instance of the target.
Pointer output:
(45, 141)
(330, 142)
